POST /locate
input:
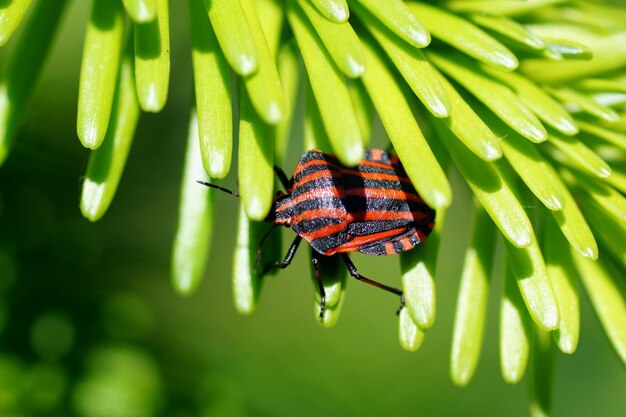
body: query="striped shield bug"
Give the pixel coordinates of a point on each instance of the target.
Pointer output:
(371, 208)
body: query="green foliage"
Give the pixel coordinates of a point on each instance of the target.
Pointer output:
(526, 99)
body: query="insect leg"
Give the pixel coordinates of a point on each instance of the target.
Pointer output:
(355, 274)
(318, 277)
(257, 258)
(288, 258)
(282, 178)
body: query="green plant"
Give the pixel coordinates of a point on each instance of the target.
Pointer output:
(525, 99)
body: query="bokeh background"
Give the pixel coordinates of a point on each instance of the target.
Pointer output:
(90, 326)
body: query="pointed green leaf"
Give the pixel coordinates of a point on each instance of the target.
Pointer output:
(540, 381)
(618, 179)
(407, 138)
(573, 224)
(610, 231)
(491, 190)
(499, 8)
(23, 66)
(190, 252)
(563, 277)
(590, 15)
(340, 41)
(418, 268)
(607, 291)
(334, 10)
(541, 103)
(412, 64)
(152, 59)
(609, 53)
(315, 136)
(234, 35)
(329, 88)
(213, 94)
(471, 305)
(256, 161)
(529, 270)
(464, 36)
(333, 273)
(528, 163)
(515, 331)
(509, 29)
(611, 200)
(533, 170)
(141, 11)
(468, 126)
(98, 71)
(411, 337)
(600, 85)
(396, 16)
(580, 155)
(418, 286)
(289, 71)
(11, 15)
(584, 102)
(364, 109)
(497, 97)
(264, 88)
(246, 280)
(106, 163)
(614, 138)
(567, 48)
(271, 17)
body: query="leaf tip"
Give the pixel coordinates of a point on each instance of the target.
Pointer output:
(355, 66)
(256, 208)
(246, 66)
(554, 203)
(341, 14)
(153, 100)
(439, 108)
(589, 252)
(90, 200)
(566, 344)
(604, 172)
(89, 136)
(507, 61)
(491, 152)
(353, 152)
(420, 38)
(567, 127)
(274, 114)
(183, 281)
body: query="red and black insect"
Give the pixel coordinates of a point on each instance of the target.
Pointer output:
(372, 208)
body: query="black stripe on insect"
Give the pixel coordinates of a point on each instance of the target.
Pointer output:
(372, 208)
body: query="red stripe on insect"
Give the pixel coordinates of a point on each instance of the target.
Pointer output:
(384, 193)
(324, 231)
(389, 249)
(321, 213)
(406, 243)
(358, 241)
(388, 215)
(376, 154)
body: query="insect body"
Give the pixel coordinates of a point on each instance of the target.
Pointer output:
(371, 208)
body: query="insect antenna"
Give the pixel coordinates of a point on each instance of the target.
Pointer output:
(218, 187)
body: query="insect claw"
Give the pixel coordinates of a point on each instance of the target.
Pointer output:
(322, 305)
(402, 304)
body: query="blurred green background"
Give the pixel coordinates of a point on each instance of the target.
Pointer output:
(90, 326)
